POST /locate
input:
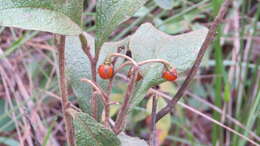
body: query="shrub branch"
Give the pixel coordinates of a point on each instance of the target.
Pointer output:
(153, 137)
(120, 121)
(63, 89)
(93, 63)
(104, 96)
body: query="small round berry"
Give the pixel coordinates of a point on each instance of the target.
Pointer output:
(106, 71)
(170, 75)
(138, 78)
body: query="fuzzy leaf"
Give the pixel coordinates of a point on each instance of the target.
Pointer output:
(56, 16)
(131, 141)
(150, 43)
(78, 67)
(111, 13)
(89, 132)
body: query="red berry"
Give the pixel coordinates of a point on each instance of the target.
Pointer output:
(170, 75)
(106, 71)
(138, 78)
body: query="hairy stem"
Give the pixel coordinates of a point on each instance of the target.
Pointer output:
(105, 98)
(122, 66)
(124, 108)
(93, 64)
(96, 87)
(124, 56)
(94, 103)
(210, 37)
(107, 112)
(63, 89)
(164, 62)
(153, 136)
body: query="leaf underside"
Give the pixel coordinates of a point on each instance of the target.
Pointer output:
(56, 16)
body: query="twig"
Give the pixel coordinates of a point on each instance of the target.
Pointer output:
(104, 96)
(210, 37)
(109, 89)
(122, 66)
(93, 63)
(63, 89)
(110, 84)
(129, 62)
(95, 86)
(153, 136)
(124, 108)
(164, 62)
(85, 47)
(124, 56)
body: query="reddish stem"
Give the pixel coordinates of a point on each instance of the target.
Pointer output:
(63, 89)
(120, 121)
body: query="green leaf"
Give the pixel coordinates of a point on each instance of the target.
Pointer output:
(89, 132)
(111, 13)
(56, 16)
(165, 4)
(131, 141)
(150, 43)
(78, 67)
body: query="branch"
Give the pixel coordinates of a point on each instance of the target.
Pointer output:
(110, 83)
(105, 98)
(164, 62)
(124, 56)
(85, 47)
(122, 66)
(96, 87)
(210, 37)
(153, 136)
(120, 120)
(63, 90)
(93, 63)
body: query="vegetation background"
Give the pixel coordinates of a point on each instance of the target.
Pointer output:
(225, 93)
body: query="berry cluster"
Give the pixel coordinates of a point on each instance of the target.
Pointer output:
(106, 71)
